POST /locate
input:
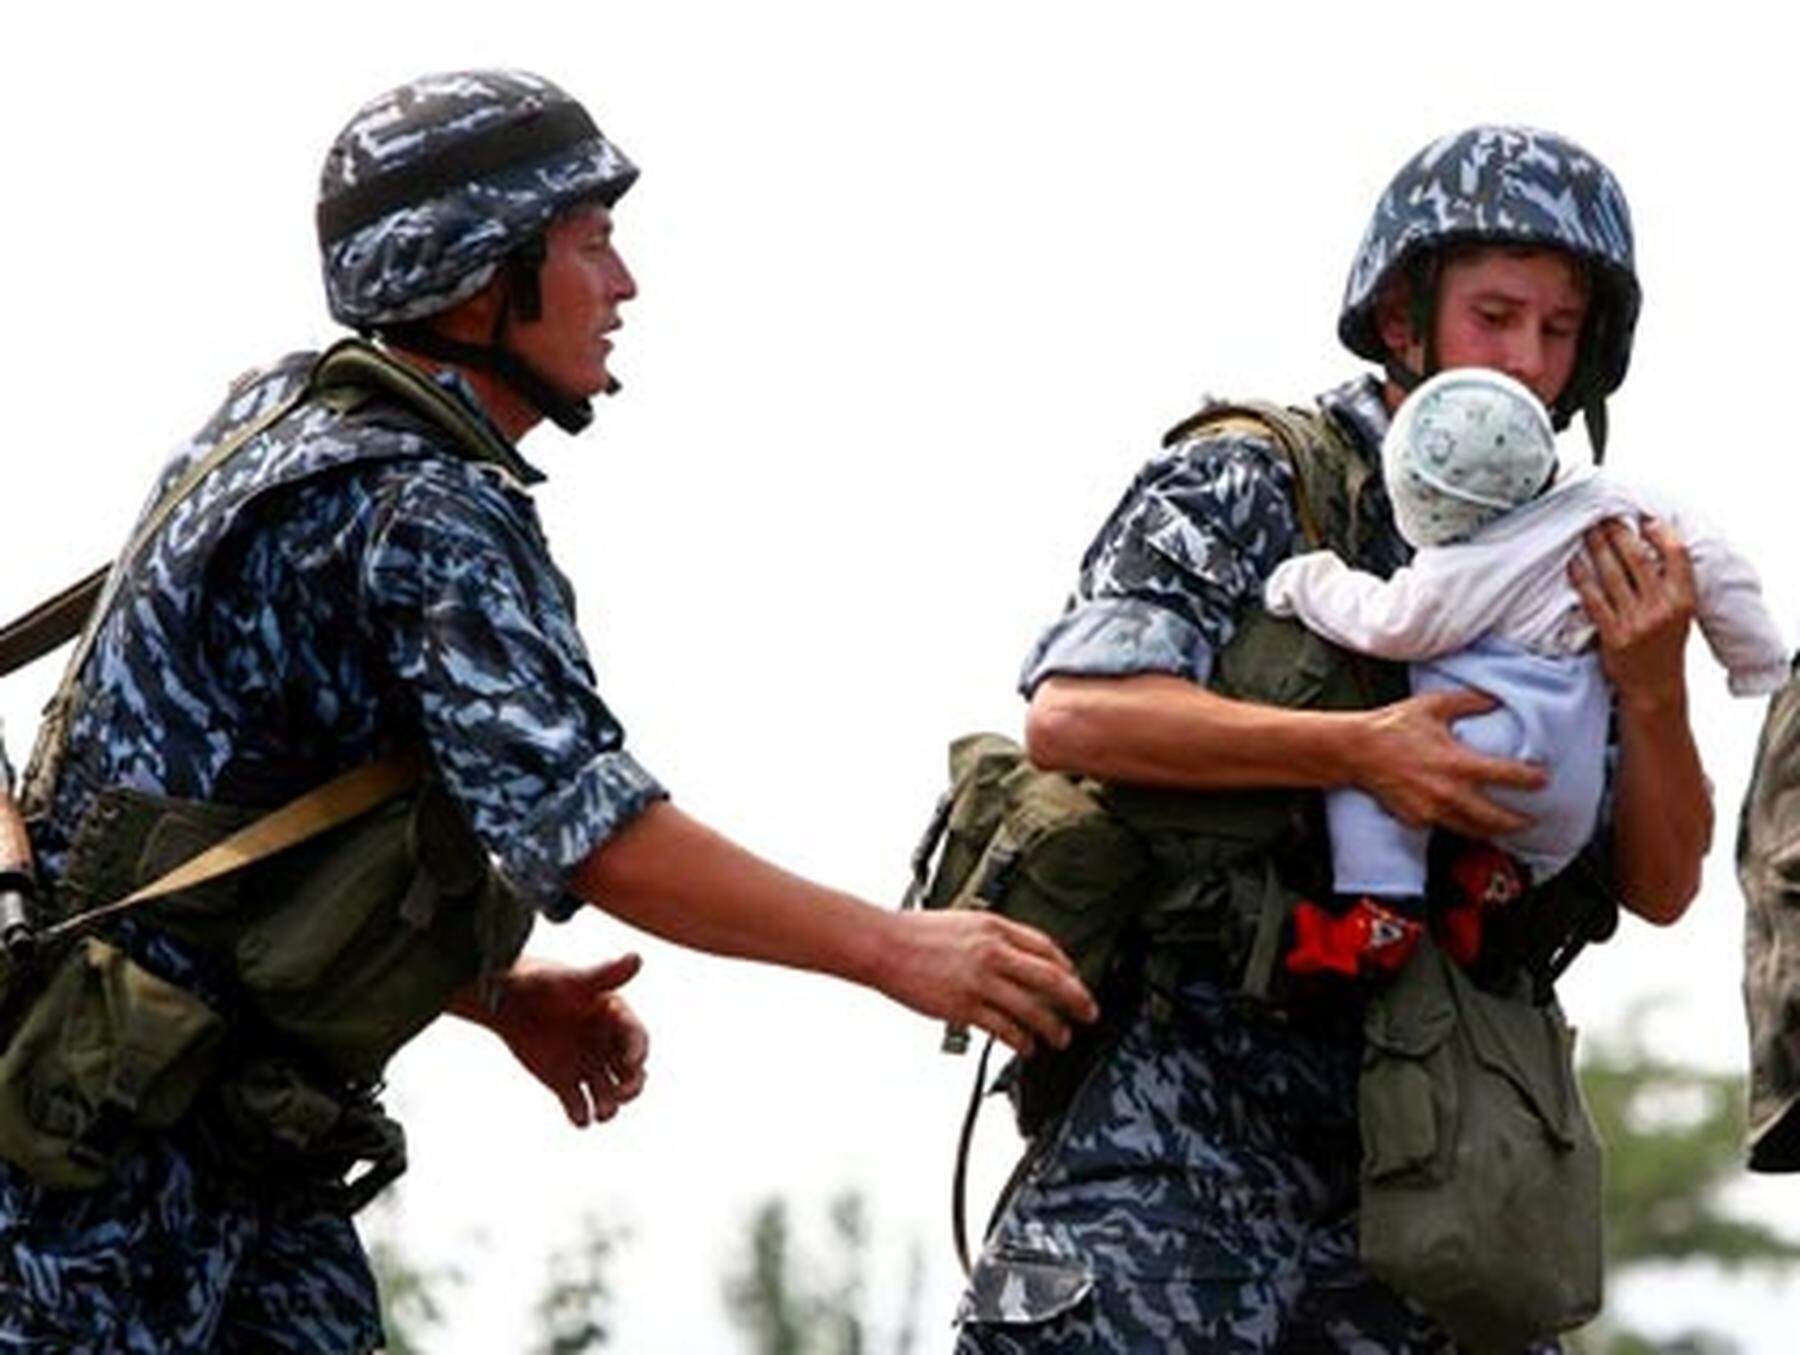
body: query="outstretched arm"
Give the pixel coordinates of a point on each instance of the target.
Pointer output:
(672, 875)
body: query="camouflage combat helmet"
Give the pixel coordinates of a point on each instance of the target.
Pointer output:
(1504, 186)
(434, 187)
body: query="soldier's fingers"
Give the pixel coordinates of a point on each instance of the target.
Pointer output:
(1450, 706)
(1672, 554)
(1608, 559)
(1028, 1007)
(624, 1036)
(1639, 562)
(604, 1100)
(629, 1086)
(1003, 1028)
(1477, 816)
(615, 973)
(1050, 983)
(1594, 600)
(606, 1078)
(1504, 771)
(1033, 940)
(574, 1101)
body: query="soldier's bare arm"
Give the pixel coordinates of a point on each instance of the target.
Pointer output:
(673, 876)
(1642, 603)
(1159, 730)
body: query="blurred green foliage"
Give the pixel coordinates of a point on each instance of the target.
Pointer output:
(1674, 1137)
(574, 1313)
(786, 1302)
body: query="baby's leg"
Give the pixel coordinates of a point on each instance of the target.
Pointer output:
(1372, 852)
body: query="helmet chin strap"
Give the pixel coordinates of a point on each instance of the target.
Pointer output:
(520, 296)
(1421, 305)
(1593, 416)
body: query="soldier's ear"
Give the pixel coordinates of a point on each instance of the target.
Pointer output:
(472, 319)
(1393, 322)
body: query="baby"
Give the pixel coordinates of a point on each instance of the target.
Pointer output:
(1470, 464)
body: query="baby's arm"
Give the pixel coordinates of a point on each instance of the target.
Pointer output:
(1728, 603)
(1408, 616)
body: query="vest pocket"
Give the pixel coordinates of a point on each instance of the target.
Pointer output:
(1481, 1173)
(1024, 1287)
(107, 1048)
(1407, 1094)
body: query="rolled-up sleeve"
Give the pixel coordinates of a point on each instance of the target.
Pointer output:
(1168, 576)
(478, 625)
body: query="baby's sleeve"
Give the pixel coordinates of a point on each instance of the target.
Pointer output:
(1739, 628)
(1401, 617)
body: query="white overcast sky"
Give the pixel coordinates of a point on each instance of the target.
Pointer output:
(920, 285)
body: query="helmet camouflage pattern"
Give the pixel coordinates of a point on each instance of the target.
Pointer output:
(1507, 186)
(431, 185)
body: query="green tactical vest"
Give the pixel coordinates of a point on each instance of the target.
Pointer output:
(341, 949)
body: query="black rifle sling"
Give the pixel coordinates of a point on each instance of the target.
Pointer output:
(51, 624)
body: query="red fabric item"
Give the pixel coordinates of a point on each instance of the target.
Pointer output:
(1458, 931)
(1369, 937)
(1482, 877)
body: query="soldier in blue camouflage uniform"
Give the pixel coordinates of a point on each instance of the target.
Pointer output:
(1200, 1192)
(347, 584)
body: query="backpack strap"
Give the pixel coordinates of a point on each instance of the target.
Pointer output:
(318, 810)
(353, 370)
(50, 624)
(1328, 475)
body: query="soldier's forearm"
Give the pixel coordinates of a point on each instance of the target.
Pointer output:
(1663, 818)
(678, 879)
(1159, 730)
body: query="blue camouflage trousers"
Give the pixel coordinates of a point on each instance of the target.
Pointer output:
(1200, 1195)
(167, 1259)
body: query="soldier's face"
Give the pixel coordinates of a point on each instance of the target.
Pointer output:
(1518, 311)
(583, 282)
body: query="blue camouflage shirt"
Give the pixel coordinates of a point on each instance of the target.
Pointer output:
(345, 585)
(1187, 550)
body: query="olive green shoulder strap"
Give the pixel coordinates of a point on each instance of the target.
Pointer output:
(354, 368)
(306, 816)
(1328, 473)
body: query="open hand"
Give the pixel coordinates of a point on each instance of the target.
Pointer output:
(978, 969)
(575, 1034)
(1424, 776)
